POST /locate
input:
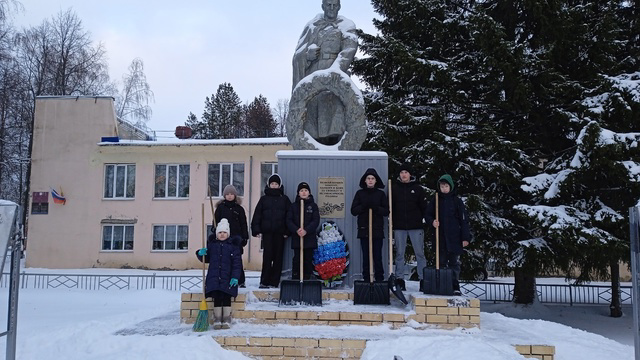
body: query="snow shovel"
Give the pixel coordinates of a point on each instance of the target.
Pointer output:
(393, 282)
(307, 292)
(436, 281)
(370, 292)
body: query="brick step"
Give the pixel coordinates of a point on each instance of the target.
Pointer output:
(261, 307)
(268, 348)
(325, 348)
(256, 310)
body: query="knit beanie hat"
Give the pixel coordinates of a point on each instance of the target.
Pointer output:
(446, 178)
(406, 167)
(303, 185)
(229, 189)
(223, 226)
(274, 178)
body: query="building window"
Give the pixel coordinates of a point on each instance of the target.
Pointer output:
(266, 170)
(40, 203)
(119, 181)
(117, 237)
(172, 181)
(221, 175)
(170, 237)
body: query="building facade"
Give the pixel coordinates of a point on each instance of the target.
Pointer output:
(103, 196)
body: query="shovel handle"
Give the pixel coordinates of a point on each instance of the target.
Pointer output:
(301, 239)
(371, 246)
(390, 231)
(204, 229)
(213, 212)
(437, 235)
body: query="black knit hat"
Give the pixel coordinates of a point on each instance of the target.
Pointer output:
(406, 167)
(274, 178)
(303, 185)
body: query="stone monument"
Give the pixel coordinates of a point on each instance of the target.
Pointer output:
(326, 110)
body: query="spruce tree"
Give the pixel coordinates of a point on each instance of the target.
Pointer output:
(259, 119)
(226, 113)
(437, 77)
(198, 127)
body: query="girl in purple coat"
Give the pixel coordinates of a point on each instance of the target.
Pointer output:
(225, 267)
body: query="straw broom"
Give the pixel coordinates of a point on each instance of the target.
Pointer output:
(202, 321)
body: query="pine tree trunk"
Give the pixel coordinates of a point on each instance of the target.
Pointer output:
(524, 291)
(615, 307)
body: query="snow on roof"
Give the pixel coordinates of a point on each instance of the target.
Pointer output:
(7, 203)
(199, 142)
(328, 153)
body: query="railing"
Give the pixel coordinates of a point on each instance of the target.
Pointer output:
(547, 293)
(106, 282)
(483, 290)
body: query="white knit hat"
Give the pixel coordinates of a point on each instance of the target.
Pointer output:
(223, 226)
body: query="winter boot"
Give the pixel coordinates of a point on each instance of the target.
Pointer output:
(217, 318)
(226, 317)
(401, 284)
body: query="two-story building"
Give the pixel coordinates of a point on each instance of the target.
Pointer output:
(131, 200)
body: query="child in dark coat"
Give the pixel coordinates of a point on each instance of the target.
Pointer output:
(225, 267)
(269, 224)
(453, 227)
(229, 208)
(370, 196)
(307, 232)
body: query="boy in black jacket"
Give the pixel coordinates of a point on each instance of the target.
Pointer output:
(229, 208)
(453, 227)
(307, 231)
(409, 205)
(269, 224)
(370, 196)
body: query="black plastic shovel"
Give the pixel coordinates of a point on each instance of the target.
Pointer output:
(370, 292)
(437, 281)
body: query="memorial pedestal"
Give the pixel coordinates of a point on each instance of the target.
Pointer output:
(334, 177)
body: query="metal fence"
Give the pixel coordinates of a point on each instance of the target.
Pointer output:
(483, 290)
(547, 293)
(106, 282)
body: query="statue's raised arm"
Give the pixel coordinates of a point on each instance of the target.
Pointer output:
(326, 49)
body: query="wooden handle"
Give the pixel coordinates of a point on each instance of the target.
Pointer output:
(213, 213)
(371, 246)
(390, 231)
(204, 230)
(301, 239)
(437, 235)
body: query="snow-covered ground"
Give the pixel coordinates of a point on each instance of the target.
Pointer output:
(112, 324)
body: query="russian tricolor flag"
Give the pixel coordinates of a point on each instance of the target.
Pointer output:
(58, 198)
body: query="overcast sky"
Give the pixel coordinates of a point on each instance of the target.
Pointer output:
(190, 47)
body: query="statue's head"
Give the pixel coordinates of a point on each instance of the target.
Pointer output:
(331, 8)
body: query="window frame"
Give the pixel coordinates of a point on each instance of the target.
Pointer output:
(164, 235)
(167, 181)
(239, 184)
(124, 241)
(274, 170)
(128, 168)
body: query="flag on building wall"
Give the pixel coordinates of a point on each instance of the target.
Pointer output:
(58, 198)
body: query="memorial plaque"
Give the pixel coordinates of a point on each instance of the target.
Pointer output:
(331, 197)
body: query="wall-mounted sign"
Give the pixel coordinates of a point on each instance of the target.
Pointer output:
(331, 197)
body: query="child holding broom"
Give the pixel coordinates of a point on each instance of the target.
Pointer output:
(225, 267)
